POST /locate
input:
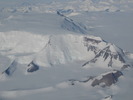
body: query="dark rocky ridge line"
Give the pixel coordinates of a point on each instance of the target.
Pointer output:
(105, 80)
(71, 25)
(106, 53)
(32, 67)
(11, 69)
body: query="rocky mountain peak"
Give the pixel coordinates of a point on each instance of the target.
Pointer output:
(110, 54)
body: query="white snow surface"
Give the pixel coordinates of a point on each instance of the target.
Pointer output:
(34, 31)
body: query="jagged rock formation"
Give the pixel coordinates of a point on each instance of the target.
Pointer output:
(73, 81)
(10, 70)
(107, 79)
(69, 24)
(109, 54)
(108, 97)
(32, 67)
(92, 44)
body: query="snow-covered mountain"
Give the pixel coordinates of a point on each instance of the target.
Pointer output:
(53, 51)
(111, 55)
(62, 49)
(72, 7)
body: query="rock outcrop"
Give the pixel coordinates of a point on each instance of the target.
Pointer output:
(32, 67)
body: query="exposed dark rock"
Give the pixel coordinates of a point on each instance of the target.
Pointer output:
(92, 44)
(71, 25)
(92, 48)
(32, 67)
(108, 79)
(90, 78)
(85, 64)
(99, 54)
(81, 81)
(125, 66)
(110, 63)
(108, 97)
(59, 13)
(107, 10)
(93, 41)
(64, 12)
(121, 58)
(10, 70)
(106, 53)
(72, 81)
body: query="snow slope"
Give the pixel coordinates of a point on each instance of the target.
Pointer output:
(49, 51)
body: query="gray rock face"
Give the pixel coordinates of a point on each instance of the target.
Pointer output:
(107, 54)
(107, 79)
(92, 48)
(10, 70)
(63, 12)
(32, 67)
(93, 41)
(71, 25)
(92, 44)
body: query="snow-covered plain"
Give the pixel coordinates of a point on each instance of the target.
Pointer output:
(56, 50)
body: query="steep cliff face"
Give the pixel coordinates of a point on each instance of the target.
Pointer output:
(102, 80)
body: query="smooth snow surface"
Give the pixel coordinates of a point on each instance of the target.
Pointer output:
(54, 50)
